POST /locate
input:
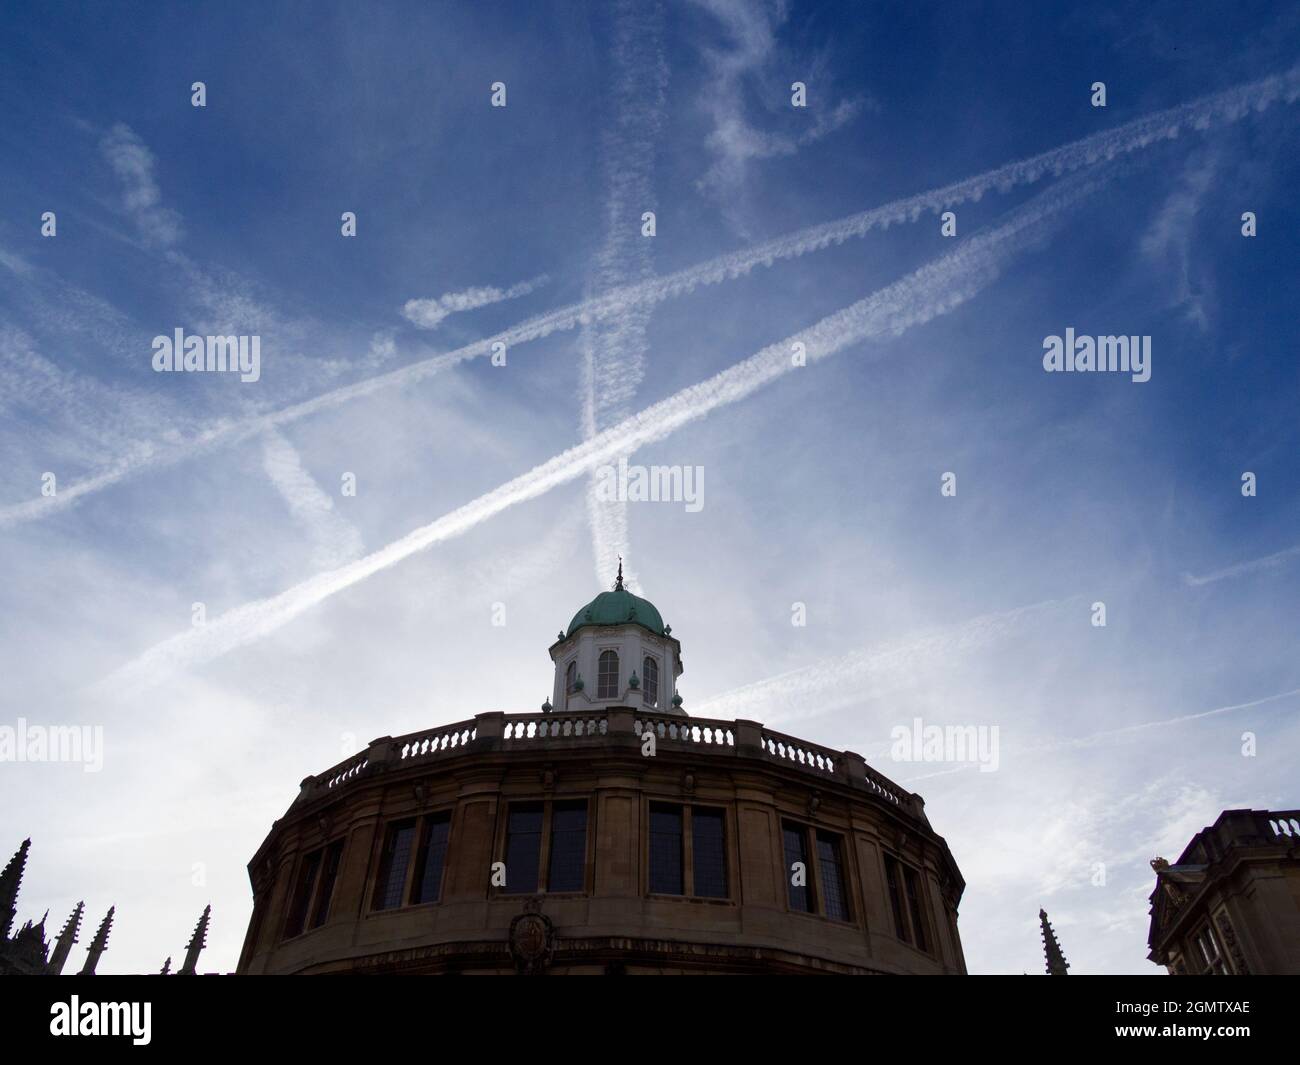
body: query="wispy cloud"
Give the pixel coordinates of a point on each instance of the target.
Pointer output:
(614, 348)
(75, 417)
(735, 142)
(429, 313)
(1146, 726)
(334, 539)
(1231, 105)
(1167, 244)
(935, 289)
(832, 683)
(133, 163)
(1094, 739)
(1254, 565)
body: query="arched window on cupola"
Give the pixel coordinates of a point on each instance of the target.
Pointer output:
(571, 677)
(607, 676)
(650, 675)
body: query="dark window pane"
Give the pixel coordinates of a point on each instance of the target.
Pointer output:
(523, 848)
(568, 864)
(914, 905)
(709, 851)
(895, 899)
(330, 872)
(571, 677)
(607, 677)
(666, 850)
(431, 859)
(392, 865)
(796, 850)
(650, 667)
(302, 894)
(828, 865)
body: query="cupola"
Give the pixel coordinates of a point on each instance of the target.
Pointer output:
(617, 651)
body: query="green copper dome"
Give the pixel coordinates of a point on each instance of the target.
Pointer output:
(619, 607)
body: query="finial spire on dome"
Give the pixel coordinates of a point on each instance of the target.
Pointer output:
(618, 584)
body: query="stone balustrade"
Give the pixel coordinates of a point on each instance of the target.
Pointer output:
(709, 738)
(1284, 824)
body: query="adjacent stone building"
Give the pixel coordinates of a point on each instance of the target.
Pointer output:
(28, 953)
(610, 833)
(1230, 905)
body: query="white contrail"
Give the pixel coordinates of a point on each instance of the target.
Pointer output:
(1227, 106)
(1272, 561)
(614, 349)
(1106, 734)
(931, 291)
(430, 313)
(335, 540)
(832, 683)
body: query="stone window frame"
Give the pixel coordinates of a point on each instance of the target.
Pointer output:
(904, 911)
(1206, 966)
(408, 879)
(814, 884)
(687, 805)
(601, 652)
(423, 831)
(547, 802)
(311, 903)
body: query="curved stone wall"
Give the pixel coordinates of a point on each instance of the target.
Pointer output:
(622, 861)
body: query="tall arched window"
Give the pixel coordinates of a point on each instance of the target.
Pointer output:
(650, 674)
(571, 677)
(607, 676)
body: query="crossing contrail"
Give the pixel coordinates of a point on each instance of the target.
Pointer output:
(928, 292)
(1220, 108)
(614, 350)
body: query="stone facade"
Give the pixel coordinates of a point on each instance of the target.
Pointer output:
(882, 886)
(1230, 905)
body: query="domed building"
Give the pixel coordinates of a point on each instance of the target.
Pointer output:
(609, 833)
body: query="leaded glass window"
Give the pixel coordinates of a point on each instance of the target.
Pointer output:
(666, 850)
(796, 868)
(432, 858)
(392, 865)
(650, 678)
(832, 876)
(607, 676)
(568, 860)
(523, 847)
(708, 849)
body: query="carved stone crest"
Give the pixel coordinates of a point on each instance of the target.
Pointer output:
(532, 939)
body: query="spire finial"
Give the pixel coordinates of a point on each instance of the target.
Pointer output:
(1056, 963)
(63, 944)
(99, 944)
(10, 880)
(618, 584)
(197, 942)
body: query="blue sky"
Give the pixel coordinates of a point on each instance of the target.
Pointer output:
(822, 482)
